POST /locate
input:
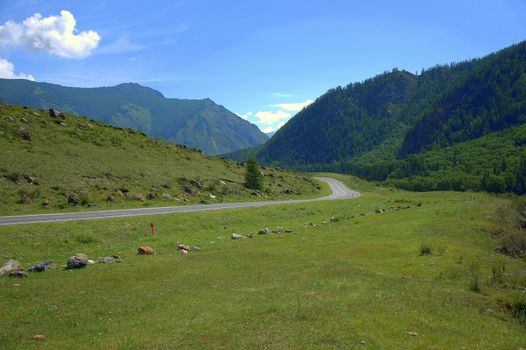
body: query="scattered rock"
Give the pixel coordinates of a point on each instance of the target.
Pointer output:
(62, 124)
(379, 211)
(39, 337)
(145, 250)
(138, 197)
(256, 193)
(413, 334)
(236, 236)
(334, 219)
(56, 114)
(24, 133)
(73, 200)
(151, 195)
(362, 342)
(25, 199)
(10, 265)
(324, 222)
(45, 203)
(222, 182)
(18, 274)
(211, 196)
(77, 261)
(195, 248)
(183, 248)
(167, 196)
(264, 231)
(109, 259)
(40, 267)
(281, 230)
(24, 120)
(250, 235)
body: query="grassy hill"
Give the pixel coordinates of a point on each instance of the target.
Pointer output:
(81, 164)
(381, 129)
(363, 280)
(196, 123)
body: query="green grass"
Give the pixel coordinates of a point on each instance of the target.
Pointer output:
(326, 286)
(90, 161)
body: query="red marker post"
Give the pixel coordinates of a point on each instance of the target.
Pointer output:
(152, 230)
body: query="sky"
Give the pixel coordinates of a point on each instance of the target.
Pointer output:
(263, 60)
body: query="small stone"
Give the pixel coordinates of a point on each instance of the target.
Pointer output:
(10, 265)
(264, 231)
(379, 211)
(250, 235)
(183, 247)
(362, 342)
(40, 267)
(145, 250)
(45, 203)
(18, 274)
(334, 219)
(109, 259)
(39, 337)
(183, 251)
(195, 248)
(413, 334)
(56, 114)
(236, 236)
(77, 261)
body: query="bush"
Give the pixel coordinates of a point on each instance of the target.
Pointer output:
(475, 285)
(425, 249)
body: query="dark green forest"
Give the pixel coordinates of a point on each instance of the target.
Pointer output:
(458, 126)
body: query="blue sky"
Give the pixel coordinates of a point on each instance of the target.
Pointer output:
(261, 59)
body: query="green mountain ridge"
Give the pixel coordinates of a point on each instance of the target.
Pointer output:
(393, 127)
(195, 123)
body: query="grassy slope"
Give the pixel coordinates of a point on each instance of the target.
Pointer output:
(91, 160)
(329, 286)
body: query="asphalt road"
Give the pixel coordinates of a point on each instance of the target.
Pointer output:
(339, 191)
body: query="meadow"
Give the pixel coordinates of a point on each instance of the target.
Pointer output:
(421, 273)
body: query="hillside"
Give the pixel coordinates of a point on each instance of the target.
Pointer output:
(373, 128)
(195, 123)
(78, 163)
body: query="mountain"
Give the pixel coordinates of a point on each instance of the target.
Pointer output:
(384, 128)
(51, 164)
(270, 134)
(195, 123)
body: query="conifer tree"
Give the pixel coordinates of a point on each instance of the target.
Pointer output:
(253, 177)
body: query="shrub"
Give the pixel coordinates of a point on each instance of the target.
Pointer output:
(475, 285)
(425, 249)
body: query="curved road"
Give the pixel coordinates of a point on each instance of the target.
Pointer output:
(339, 191)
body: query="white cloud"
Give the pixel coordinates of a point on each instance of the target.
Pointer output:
(245, 116)
(280, 94)
(268, 129)
(7, 71)
(55, 35)
(293, 107)
(269, 118)
(280, 124)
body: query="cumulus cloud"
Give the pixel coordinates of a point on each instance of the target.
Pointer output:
(269, 118)
(55, 35)
(268, 129)
(245, 116)
(294, 107)
(280, 124)
(7, 71)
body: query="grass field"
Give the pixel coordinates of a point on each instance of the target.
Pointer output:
(85, 164)
(357, 283)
